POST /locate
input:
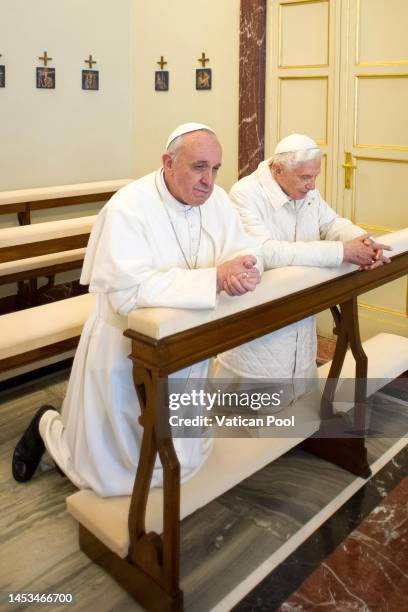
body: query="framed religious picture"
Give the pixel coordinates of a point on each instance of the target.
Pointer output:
(161, 80)
(203, 78)
(45, 78)
(2, 76)
(90, 79)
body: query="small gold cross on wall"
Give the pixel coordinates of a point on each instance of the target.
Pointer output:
(203, 59)
(90, 62)
(161, 63)
(45, 58)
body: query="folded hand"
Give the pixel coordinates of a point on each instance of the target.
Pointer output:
(365, 252)
(238, 275)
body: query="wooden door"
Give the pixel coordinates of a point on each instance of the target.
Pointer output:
(373, 128)
(337, 70)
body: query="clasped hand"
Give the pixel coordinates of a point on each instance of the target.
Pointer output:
(238, 275)
(365, 252)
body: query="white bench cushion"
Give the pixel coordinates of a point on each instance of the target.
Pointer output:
(37, 232)
(231, 460)
(42, 261)
(33, 328)
(387, 359)
(161, 322)
(61, 191)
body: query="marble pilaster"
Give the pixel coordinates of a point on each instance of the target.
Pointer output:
(252, 85)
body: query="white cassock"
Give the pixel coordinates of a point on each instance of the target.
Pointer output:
(292, 233)
(135, 260)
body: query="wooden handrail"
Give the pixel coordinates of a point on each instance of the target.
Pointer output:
(185, 348)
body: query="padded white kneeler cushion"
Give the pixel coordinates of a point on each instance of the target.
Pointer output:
(387, 358)
(49, 230)
(33, 328)
(61, 191)
(161, 322)
(231, 460)
(42, 261)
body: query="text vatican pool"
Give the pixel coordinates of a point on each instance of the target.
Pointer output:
(234, 421)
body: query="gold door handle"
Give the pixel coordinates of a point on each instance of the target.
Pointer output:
(348, 167)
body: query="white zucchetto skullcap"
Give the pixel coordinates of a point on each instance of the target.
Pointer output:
(295, 142)
(185, 128)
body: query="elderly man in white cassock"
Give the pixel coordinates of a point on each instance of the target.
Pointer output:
(280, 207)
(172, 239)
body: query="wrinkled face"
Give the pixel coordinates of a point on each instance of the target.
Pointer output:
(190, 174)
(297, 181)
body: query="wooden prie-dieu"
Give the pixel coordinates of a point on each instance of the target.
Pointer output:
(151, 570)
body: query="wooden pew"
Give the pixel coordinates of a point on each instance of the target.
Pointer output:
(30, 338)
(24, 201)
(137, 539)
(30, 252)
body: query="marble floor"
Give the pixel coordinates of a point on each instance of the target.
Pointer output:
(375, 552)
(294, 536)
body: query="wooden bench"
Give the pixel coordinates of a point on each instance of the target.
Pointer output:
(30, 252)
(31, 338)
(24, 201)
(137, 539)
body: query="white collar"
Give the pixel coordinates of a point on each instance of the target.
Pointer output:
(273, 190)
(168, 199)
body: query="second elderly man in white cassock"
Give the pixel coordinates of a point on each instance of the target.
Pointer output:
(170, 239)
(280, 207)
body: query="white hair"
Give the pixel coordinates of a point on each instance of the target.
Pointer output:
(294, 158)
(176, 144)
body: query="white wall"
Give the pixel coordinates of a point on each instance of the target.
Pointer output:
(66, 135)
(69, 135)
(180, 30)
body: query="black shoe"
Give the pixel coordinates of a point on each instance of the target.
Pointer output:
(29, 450)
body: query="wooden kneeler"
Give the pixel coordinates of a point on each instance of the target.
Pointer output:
(151, 570)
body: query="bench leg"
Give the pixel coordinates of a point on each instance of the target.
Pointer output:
(131, 578)
(27, 293)
(157, 556)
(151, 571)
(24, 216)
(349, 453)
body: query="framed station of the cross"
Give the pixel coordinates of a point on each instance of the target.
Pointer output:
(161, 80)
(45, 78)
(203, 74)
(161, 77)
(90, 80)
(203, 78)
(90, 77)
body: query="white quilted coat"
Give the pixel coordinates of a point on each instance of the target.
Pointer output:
(293, 233)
